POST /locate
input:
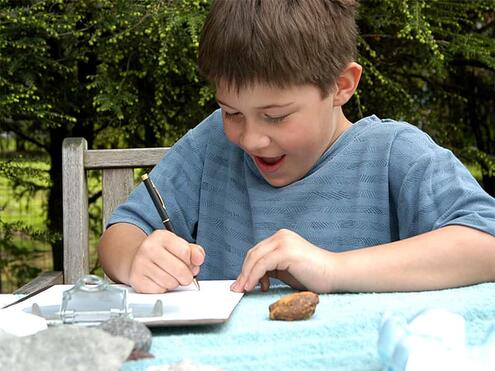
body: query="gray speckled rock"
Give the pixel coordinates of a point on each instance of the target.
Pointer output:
(65, 348)
(5, 336)
(133, 330)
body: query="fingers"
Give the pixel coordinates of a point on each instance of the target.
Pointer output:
(164, 261)
(173, 244)
(153, 280)
(147, 286)
(169, 263)
(268, 255)
(284, 255)
(265, 282)
(261, 268)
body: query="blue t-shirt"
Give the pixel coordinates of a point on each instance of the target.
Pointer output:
(381, 181)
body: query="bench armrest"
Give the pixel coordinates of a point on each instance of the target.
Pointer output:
(44, 280)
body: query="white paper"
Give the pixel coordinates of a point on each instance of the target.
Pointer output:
(6, 299)
(214, 303)
(20, 323)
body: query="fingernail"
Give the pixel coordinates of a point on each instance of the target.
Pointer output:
(195, 270)
(234, 286)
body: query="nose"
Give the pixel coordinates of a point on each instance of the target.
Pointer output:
(252, 137)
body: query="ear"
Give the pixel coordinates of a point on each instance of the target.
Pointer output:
(347, 83)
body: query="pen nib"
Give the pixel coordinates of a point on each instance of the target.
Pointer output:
(196, 283)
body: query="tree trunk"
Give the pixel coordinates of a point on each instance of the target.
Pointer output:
(55, 224)
(489, 184)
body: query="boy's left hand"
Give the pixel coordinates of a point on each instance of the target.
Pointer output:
(290, 258)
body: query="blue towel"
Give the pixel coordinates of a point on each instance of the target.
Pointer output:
(342, 335)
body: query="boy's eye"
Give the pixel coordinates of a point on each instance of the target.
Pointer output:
(232, 115)
(237, 116)
(275, 119)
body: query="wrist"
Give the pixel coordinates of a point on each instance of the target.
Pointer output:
(336, 272)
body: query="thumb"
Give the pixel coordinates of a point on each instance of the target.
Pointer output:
(197, 254)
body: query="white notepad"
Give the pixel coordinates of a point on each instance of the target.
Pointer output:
(212, 304)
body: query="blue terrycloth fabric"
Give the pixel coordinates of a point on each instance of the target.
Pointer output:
(381, 181)
(342, 335)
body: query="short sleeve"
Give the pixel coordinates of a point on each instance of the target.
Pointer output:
(178, 179)
(431, 188)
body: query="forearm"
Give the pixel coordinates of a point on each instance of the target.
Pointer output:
(448, 257)
(117, 248)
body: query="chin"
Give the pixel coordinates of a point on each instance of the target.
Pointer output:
(279, 183)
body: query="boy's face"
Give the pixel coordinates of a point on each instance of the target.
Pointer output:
(285, 131)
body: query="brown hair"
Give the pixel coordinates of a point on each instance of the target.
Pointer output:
(278, 42)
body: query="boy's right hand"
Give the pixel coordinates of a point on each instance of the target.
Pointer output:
(164, 261)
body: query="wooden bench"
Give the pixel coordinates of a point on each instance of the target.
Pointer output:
(117, 167)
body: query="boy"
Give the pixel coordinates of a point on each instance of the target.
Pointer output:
(279, 183)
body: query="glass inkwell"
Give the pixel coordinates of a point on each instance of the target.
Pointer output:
(93, 299)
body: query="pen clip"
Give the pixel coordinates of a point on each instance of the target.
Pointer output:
(157, 193)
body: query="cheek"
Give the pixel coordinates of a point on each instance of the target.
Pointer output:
(231, 132)
(303, 139)
(298, 138)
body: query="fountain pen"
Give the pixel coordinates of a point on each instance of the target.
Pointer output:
(160, 207)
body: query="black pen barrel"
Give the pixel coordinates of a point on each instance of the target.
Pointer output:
(158, 205)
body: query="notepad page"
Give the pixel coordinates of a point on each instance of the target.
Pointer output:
(213, 301)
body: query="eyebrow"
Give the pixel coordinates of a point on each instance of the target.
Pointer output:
(260, 108)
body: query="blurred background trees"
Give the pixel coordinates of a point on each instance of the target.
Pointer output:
(123, 73)
(432, 63)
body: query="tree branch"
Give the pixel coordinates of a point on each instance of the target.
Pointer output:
(429, 80)
(472, 63)
(11, 127)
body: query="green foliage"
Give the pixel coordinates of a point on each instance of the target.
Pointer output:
(485, 161)
(89, 66)
(24, 178)
(29, 65)
(151, 84)
(16, 260)
(432, 63)
(23, 185)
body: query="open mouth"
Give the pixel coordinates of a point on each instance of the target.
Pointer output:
(269, 164)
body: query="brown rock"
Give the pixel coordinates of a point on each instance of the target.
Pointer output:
(139, 354)
(294, 307)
